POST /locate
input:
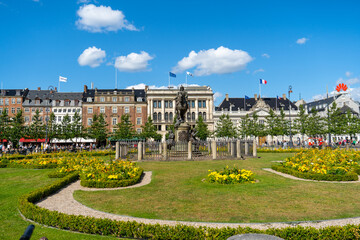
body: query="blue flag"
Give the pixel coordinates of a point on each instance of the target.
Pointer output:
(246, 97)
(172, 74)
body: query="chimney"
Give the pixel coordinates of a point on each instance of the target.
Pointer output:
(92, 85)
(284, 96)
(227, 97)
(55, 89)
(51, 91)
(85, 89)
(39, 88)
(146, 88)
(255, 96)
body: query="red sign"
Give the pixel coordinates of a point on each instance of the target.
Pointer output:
(341, 86)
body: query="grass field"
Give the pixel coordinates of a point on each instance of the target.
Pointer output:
(14, 183)
(177, 192)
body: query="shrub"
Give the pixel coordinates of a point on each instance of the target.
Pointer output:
(231, 176)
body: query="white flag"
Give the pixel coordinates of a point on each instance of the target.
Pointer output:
(189, 73)
(62, 79)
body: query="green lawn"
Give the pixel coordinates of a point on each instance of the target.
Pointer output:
(14, 183)
(178, 193)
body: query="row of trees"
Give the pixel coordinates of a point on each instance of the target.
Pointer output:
(312, 124)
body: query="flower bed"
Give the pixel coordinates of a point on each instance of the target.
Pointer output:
(326, 164)
(231, 176)
(280, 150)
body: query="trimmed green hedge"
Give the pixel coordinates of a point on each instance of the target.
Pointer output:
(56, 174)
(155, 231)
(111, 183)
(350, 176)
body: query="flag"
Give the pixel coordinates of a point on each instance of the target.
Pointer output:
(246, 97)
(172, 74)
(189, 73)
(62, 79)
(263, 81)
(278, 97)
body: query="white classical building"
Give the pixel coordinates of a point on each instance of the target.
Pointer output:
(66, 103)
(161, 106)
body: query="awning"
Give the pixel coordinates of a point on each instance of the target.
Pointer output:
(23, 140)
(74, 140)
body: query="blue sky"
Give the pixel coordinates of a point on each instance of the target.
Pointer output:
(228, 45)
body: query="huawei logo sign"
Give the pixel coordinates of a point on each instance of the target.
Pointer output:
(341, 86)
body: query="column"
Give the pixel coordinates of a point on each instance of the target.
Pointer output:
(254, 148)
(246, 147)
(117, 152)
(213, 148)
(189, 150)
(140, 151)
(164, 150)
(238, 149)
(196, 109)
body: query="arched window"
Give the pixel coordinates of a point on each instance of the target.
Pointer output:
(159, 116)
(171, 116)
(188, 116)
(166, 116)
(155, 116)
(200, 114)
(204, 116)
(193, 116)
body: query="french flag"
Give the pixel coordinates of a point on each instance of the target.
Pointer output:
(263, 81)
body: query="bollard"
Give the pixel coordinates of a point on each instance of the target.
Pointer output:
(254, 148)
(246, 148)
(165, 157)
(144, 149)
(232, 149)
(117, 152)
(189, 150)
(229, 147)
(160, 148)
(140, 151)
(213, 148)
(238, 149)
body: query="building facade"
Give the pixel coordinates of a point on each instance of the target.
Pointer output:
(40, 100)
(64, 103)
(113, 103)
(11, 100)
(161, 106)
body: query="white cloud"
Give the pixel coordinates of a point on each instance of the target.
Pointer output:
(133, 62)
(142, 86)
(258, 70)
(349, 81)
(265, 55)
(83, 1)
(92, 57)
(214, 61)
(102, 19)
(302, 40)
(217, 96)
(348, 74)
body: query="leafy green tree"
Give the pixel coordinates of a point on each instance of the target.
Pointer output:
(52, 127)
(76, 126)
(352, 123)
(37, 128)
(225, 127)
(16, 130)
(98, 129)
(4, 126)
(282, 124)
(301, 121)
(125, 129)
(202, 131)
(66, 128)
(256, 128)
(335, 122)
(149, 130)
(315, 125)
(245, 126)
(271, 125)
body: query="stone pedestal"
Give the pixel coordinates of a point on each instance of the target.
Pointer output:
(182, 133)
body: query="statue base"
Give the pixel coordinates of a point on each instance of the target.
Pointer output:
(182, 133)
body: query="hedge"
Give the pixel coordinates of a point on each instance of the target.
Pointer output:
(350, 176)
(56, 174)
(111, 183)
(132, 229)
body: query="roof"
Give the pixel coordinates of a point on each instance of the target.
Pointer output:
(238, 103)
(91, 93)
(13, 92)
(67, 95)
(346, 108)
(322, 103)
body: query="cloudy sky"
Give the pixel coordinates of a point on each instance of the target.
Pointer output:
(227, 45)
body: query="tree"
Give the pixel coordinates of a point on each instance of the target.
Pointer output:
(17, 129)
(352, 123)
(98, 129)
(315, 125)
(4, 126)
(271, 125)
(202, 131)
(301, 121)
(36, 129)
(225, 127)
(282, 124)
(65, 128)
(125, 129)
(335, 124)
(77, 127)
(52, 127)
(149, 131)
(244, 128)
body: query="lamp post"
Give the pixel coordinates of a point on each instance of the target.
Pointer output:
(47, 110)
(290, 142)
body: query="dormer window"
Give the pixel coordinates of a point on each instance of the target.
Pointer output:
(89, 99)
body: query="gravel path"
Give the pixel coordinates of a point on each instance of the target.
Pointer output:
(307, 180)
(63, 201)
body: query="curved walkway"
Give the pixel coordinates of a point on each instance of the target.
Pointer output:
(64, 202)
(307, 180)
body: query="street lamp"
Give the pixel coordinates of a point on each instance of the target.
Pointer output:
(47, 110)
(290, 142)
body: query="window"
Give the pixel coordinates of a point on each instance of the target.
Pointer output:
(12, 110)
(127, 99)
(155, 104)
(138, 109)
(18, 100)
(159, 104)
(6, 110)
(1, 110)
(102, 109)
(166, 116)
(170, 104)
(13, 100)
(41, 110)
(6, 101)
(204, 116)
(261, 122)
(18, 110)
(199, 103)
(188, 116)
(46, 118)
(1, 101)
(59, 118)
(41, 118)
(193, 104)
(47, 109)
(73, 110)
(33, 109)
(114, 99)
(193, 116)
(171, 116)
(27, 110)
(90, 110)
(166, 104)
(139, 99)
(155, 116)
(78, 110)
(114, 121)
(89, 99)
(102, 99)
(69, 109)
(204, 104)
(127, 110)
(138, 121)
(60, 110)
(138, 130)
(114, 109)
(26, 119)
(159, 116)
(89, 121)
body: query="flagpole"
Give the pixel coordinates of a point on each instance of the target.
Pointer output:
(259, 89)
(276, 103)
(244, 104)
(115, 78)
(186, 79)
(59, 84)
(169, 80)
